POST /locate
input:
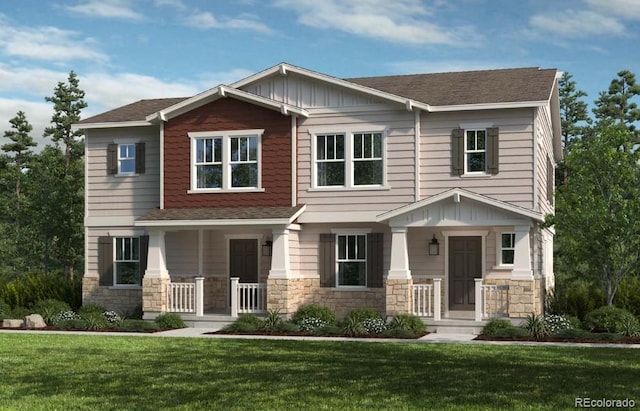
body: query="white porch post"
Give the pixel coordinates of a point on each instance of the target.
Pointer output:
(234, 296)
(156, 257)
(522, 255)
(437, 302)
(399, 265)
(156, 277)
(280, 263)
(199, 296)
(479, 301)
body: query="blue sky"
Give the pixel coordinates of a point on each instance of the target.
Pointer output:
(125, 50)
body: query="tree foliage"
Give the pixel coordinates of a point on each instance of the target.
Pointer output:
(615, 104)
(573, 111)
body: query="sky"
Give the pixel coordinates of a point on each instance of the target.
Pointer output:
(126, 50)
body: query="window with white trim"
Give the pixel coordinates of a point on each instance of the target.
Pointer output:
(352, 160)
(351, 260)
(507, 248)
(126, 264)
(126, 158)
(225, 160)
(475, 151)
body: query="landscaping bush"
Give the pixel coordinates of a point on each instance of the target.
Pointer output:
(309, 324)
(138, 325)
(314, 311)
(609, 319)
(273, 321)
(573, 334)
(286, 327)
(628, 295)
(556, 323)
(91, 308)
(249, 319)
(408, 322)
(630, 328)
(170, 321)
(113, 318)
(353, 327)
(361, 314)
(136, 313)
(399, 333)
(63, 317)
(535, 326)
(374, 325)
(574, 297)
(496, 324)
(328, 331)
(18, 312)
(72, 324)
(238, 326)
(513, 332)
(94, 320)
(50, 308)
(28, 288)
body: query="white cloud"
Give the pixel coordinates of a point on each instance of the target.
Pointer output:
(206, 20)
(176, 4)
(38, 114)
(577, 24)
(108, 9)
(400, 21)
(46, 43)
(625, 9)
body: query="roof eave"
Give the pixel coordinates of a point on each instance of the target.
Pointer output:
(211, 223)
(488, 106)
(115, 124)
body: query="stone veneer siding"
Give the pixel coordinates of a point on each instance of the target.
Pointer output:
(523, 296)
(154, 294)
(399, 296)
(121, 300)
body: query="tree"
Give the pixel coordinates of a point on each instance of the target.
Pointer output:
(573, 112)
(21, 142)
(68, 103)
(615, 104)
(598, 208)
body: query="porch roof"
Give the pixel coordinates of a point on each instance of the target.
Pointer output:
(220, 216)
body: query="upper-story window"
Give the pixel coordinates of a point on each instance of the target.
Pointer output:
(475, 151)
(353, 160)
(225, 160)
(125, 158)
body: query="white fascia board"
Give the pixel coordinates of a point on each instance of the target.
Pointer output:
(214, 223)
(287, 68)
(119, 124)
(458, 192)
(176, 109)
(267, 102)
(488, 106)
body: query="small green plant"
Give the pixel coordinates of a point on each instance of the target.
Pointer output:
(94, 320)
(241, 327)
(273, 321)
(249, 319)
(50, 308)
(556, 323)
(535, 326)
(361, 314)
(609, 319)
(138, 325)
(63, 317)
(91, 308)
(513, 332)
(309, 324)
(496, 325)
(170, 321)
(398, 333)
(374, 325)
(629, 328)
(408, 322)
(328, 331)
(353, 327)
(574, 334)
(314, 311)
(72, 324)
(286, 327)
(113, 318)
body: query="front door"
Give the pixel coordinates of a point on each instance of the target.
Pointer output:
(243, 260)
(465, 265)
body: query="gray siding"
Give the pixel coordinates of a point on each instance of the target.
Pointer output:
(544, 141)
(514, 182)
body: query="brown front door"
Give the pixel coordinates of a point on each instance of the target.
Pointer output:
(243, 260)
(465, 264)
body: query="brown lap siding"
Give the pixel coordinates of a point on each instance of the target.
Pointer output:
(221, 115)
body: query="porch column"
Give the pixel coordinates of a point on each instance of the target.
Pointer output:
(280, 264)
(156, 277)
(399, 284)
(522, 255)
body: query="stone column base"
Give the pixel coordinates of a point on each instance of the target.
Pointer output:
(285, 294)
(399, 298)
(522, 299)
(154, 294)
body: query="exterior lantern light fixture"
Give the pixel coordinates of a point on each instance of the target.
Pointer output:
(434, 246)
(267, 249)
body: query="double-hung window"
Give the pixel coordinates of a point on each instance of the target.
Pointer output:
(351, 259)
(348, 159)
(475, 151)
(126, 158)
(507, 248)
(126, 267)
(225, 160)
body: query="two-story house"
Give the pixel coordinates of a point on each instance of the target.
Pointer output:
(417, 194)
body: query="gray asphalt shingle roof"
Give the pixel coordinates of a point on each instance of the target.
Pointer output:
(222, 213)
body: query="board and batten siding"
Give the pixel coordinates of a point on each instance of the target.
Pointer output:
(128, 197)
(544, 140)
(513, 183)
(399, 163)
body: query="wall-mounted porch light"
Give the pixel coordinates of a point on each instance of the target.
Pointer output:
(267, 249)
(434, 247)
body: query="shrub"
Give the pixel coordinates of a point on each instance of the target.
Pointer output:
(238, 326)
(314, 311)
(308, 324)
(361, 314)
(286, 327)
(535, 326)
(73, 324)
(138, 325)
(91, 308)
(374, 325)
(574, 297)
(628, 295)
(50, 308)
(353, 327)
(29, 288)
(496, 324)
(170, 321)
(4, 307)
(63, 317)
(573, 334)
(630, 327)
(113, 318)
(94, 320)
(609, 319)
(136, 313)
(273, 321)
(249, 319)
(408, 322)
(328, 330)
(556, 323)
(399, 333)
(513, 332)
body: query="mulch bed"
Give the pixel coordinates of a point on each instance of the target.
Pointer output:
(105, 330)
(624, 340)
(303, 334)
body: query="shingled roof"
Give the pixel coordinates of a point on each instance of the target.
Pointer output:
(438, 89)
(468, 87)
(222, 213)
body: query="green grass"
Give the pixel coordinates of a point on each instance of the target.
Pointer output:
(71, 372)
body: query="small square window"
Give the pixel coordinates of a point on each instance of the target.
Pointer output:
(507, 248)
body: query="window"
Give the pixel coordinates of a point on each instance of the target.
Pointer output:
(127, 261)
(226, 160)
(352, 259)
(349, 160)
(475, 150)
(507, 248)
(125, 158)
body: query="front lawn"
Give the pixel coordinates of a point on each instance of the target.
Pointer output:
(47, 372)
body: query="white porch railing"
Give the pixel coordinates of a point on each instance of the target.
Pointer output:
(492, 300)
(186, 297)
(248, 297)
(426, 299)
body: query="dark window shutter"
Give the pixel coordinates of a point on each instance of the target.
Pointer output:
(140, 153)
(112, 159)
(550, 180)
(374, 259)
(105, 260)
(327, 260)
(144, 253)
(493, 152)
(457, 152)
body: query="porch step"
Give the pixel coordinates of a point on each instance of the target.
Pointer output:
(455, 326)
(209, 321)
